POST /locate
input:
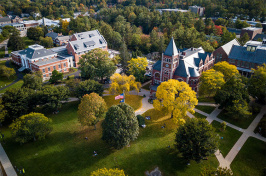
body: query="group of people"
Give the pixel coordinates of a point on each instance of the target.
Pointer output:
(21, 171)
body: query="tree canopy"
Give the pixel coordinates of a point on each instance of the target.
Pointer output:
(87, 87)
(120, 126)
(91, 109)
(137, 67)
(29, 127)
(56, 76)
(176, 98)
(33, 80)
(226, 69)
(196, 139)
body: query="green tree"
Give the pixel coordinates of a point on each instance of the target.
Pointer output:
(196, 139)
(258, 25)
(33, 80)
(96, 64)
(47, 42)
(137, 67)
(108, 172)
(35, 33)
(87, 87)
(210, 82)
(125, 57)
(91, 109)
(243, 40)
(3, 112)
(29, 127)
(257, 83)
(7, 72)
(227, 36)
(120, 126)
(15, 42)
(56, 76)
(51, 97)
(17, 102)
(176, 98)
(199, 25)
(226, 69)
(207, 47)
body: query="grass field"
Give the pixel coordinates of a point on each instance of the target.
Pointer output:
(251, 158)
(242, 123)
(2, 52)
(198, 115)
(4, 81)
(65, 151)
(230, 137)
(28, 41)
(133, 100)
(206, 99)
(16, 85)
(207, 109)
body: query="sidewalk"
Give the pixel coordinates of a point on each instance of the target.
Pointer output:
(10, 171)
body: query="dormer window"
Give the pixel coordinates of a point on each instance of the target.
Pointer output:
(248, 48)
(253, 49)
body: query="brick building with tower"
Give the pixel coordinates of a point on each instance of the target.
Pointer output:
(183, 65)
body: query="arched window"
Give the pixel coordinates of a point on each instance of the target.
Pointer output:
(166, 72)
(157, 75)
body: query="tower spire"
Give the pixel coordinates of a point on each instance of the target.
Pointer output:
(171, 49)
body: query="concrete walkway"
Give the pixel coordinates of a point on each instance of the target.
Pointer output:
(10, 171)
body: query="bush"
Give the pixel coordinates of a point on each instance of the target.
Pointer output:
(255, 108)
(141, 120)
(261, 128)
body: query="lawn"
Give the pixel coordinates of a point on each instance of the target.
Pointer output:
(207, 109)
(146, 87)
(251, 158)
(16, 85)
(66, 152)
(242, 123)
(261, 125)
(28, 41)
(2, 52)
(133, 100)
(206, 99)
(230, 137)
(5, 81)
(198, 115)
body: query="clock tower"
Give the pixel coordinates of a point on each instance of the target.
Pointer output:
(169, 61)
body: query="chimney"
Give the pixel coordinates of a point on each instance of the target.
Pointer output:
(191, 48)
(264, 41)
(183, 53)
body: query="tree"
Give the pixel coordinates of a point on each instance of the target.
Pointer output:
(120, 126)
(87, 87)
(123, 83)
(257, 83)
(33, 80)
(137, 67)
(207, 47)
(91, 109)
(3, 112)
(96, 64)
(243, 40)
(258, 25)
(199, 25)
(176, 98)
(108, 172)
(56, 76)
(72, 84)
(196, 139)
(210, 82)
(51, 97)
(227, 36)
(7, 72)
(226, 69)
(47, 42)
(35, 33)
(29, 127)
(15, 42)
(125, 57)
(18, 102)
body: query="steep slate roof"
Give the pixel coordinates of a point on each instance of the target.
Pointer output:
(261, 36)
(228, 46)
(181, 69)
(157, 65)
(171, 48)
(33, 54)
(241, 53)
(5, 19)
(53, 35)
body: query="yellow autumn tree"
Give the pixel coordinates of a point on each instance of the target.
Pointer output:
(91, 109)
(108, 172)
(176, 98)
(137, 67)
(228, 70)
(210, 81)
(123, 83)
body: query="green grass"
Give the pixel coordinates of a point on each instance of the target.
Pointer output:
(16, 85)
(28, 41)
(242, 123)
(207, 109)
(2, 52)
(230, 137)
(251, 158)
(65, 151)
(146, 87)
(198, 115)
(134, 101)
(206, 99)
(5, 81)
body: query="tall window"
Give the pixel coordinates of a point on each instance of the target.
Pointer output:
(43, 70)
(54, 67)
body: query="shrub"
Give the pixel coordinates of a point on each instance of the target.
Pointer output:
(141, 120)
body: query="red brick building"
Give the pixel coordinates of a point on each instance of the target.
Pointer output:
(183, 65)
(252, 32)
(222, 53)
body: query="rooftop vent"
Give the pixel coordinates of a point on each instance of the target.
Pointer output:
(89, 43)
(91, 35)
(101, 41)
(191, 48)
(76, 46)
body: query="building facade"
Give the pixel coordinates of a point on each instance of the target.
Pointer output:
(183, 65)
(251, 31)
(222, 53)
